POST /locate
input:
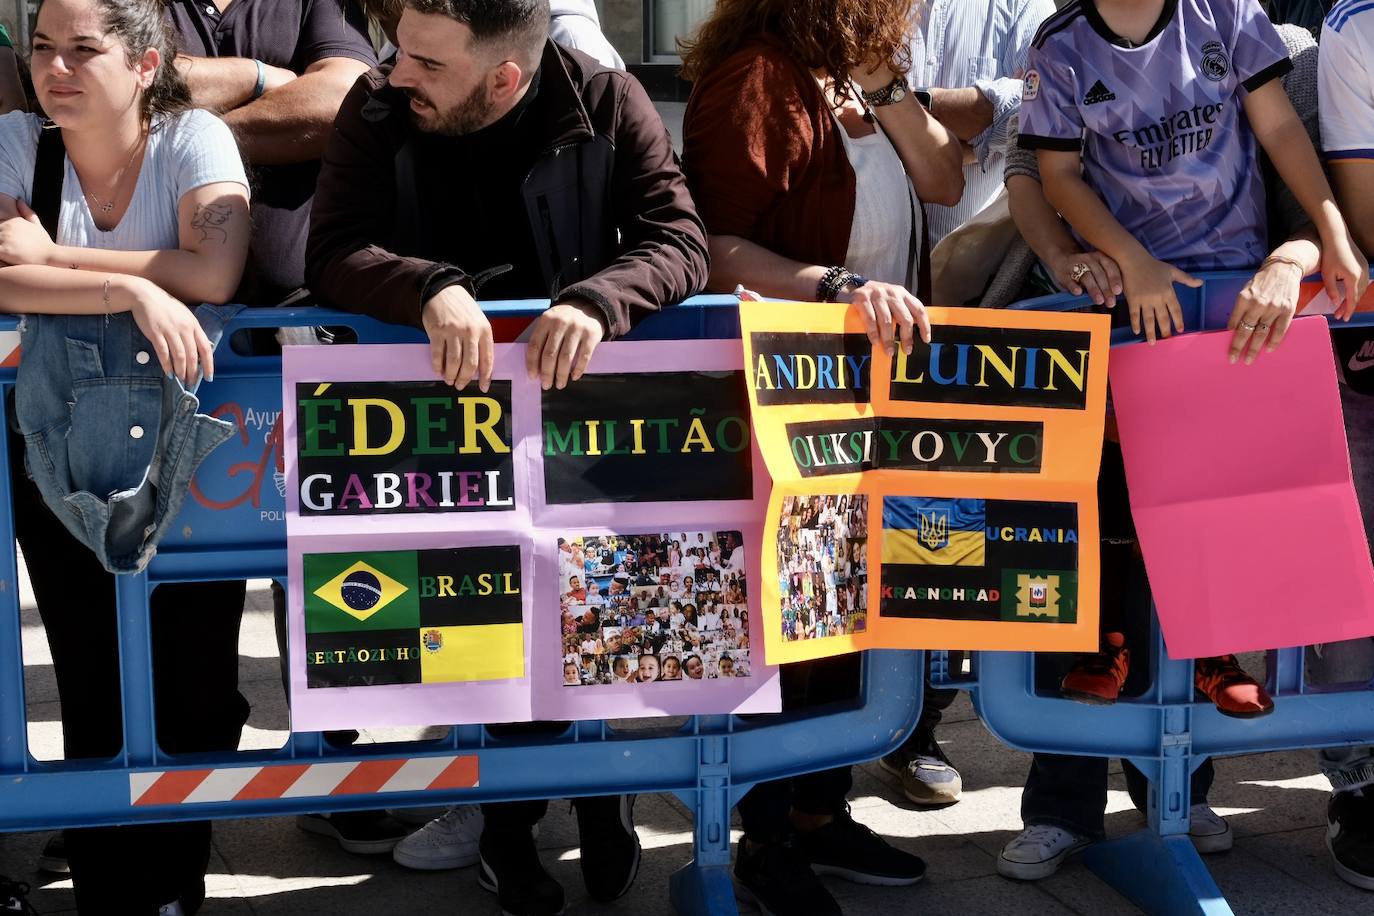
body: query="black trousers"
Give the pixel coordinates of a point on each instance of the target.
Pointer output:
(1071, 792)
(195, 629)
(764, 809)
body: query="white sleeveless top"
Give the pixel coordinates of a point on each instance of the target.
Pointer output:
(884, 238)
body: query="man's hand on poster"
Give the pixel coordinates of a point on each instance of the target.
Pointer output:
(460, 343)
(888, 311)
(562, 342)
(1264, 310)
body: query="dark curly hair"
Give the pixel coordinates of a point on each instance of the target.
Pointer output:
(836, 36)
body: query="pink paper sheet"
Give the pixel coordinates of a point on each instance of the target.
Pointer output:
(1241, 489)
(534, 526)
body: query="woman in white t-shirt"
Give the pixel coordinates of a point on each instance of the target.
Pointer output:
(153, 218)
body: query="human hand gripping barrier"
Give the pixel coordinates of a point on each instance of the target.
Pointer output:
(234, 527)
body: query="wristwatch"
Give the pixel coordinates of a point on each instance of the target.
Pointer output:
(890, 94)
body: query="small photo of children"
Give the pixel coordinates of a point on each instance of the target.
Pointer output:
(823, 566)
(650, 608)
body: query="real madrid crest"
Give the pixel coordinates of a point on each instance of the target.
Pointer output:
(1215, 63)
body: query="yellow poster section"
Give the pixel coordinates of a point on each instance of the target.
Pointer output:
(1070, 454)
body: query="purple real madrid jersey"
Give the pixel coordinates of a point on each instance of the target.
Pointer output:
(1160, 123)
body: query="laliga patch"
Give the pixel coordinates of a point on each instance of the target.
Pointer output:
(1030, 86)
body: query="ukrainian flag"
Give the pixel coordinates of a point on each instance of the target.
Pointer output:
(926, 531)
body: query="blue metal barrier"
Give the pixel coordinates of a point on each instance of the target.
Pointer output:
(233, 528)
(1163, 732)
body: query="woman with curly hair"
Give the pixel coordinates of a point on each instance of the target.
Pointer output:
(809, 161)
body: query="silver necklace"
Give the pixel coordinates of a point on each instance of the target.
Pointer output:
(107, 206)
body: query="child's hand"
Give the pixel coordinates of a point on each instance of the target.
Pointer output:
(1345, 272)
(1149, 286)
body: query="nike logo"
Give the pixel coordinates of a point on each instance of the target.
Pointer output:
(1363, 359)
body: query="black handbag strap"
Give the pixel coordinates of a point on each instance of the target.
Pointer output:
(47, 177)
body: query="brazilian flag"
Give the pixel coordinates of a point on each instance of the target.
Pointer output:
(348, 592)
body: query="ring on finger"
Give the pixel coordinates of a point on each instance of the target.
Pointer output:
(1261, 326)
(1079, 271)
(1245, 325)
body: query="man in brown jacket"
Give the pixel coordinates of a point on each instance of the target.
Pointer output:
(491, 160)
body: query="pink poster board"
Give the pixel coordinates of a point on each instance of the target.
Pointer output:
(728, 640)
(1241, 489)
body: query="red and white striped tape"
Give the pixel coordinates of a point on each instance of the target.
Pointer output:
(301, 780)
(9, 349)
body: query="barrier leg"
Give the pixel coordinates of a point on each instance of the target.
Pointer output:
(703, 887)
(1162, 875)
(136, 670)
(14, 737)
(1158, 868)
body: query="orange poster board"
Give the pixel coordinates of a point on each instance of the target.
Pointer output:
(941, 500)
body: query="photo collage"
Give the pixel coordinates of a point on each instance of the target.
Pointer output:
(646, 608)
(823, 566)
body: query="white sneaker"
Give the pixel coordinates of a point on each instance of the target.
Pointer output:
(448, 841)
(1038, 851)
(1209, 831)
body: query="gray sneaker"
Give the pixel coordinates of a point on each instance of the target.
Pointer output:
(928, 778)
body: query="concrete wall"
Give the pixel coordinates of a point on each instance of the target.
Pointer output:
(623, 23)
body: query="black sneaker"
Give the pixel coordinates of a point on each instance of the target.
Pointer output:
(849, 850)
(14, 897)
(359, 832)
(509, 867)
(1350, 837)
(53, 858)
(610, 846)
(777, 879)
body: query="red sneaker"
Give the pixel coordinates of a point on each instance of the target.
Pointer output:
(1097, 679)
(1225, 683)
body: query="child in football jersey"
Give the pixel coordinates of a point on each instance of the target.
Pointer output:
(1135, 109)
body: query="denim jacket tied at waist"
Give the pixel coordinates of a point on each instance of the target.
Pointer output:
(111, 442)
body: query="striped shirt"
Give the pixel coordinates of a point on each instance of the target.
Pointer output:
(1345, 82)
(981, 43)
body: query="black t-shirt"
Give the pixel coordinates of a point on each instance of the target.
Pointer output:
(292, 34)
(472, 210)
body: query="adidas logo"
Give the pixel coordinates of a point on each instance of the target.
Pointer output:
(1098, 93)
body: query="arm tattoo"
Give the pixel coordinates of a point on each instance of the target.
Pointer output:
(211, 219)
